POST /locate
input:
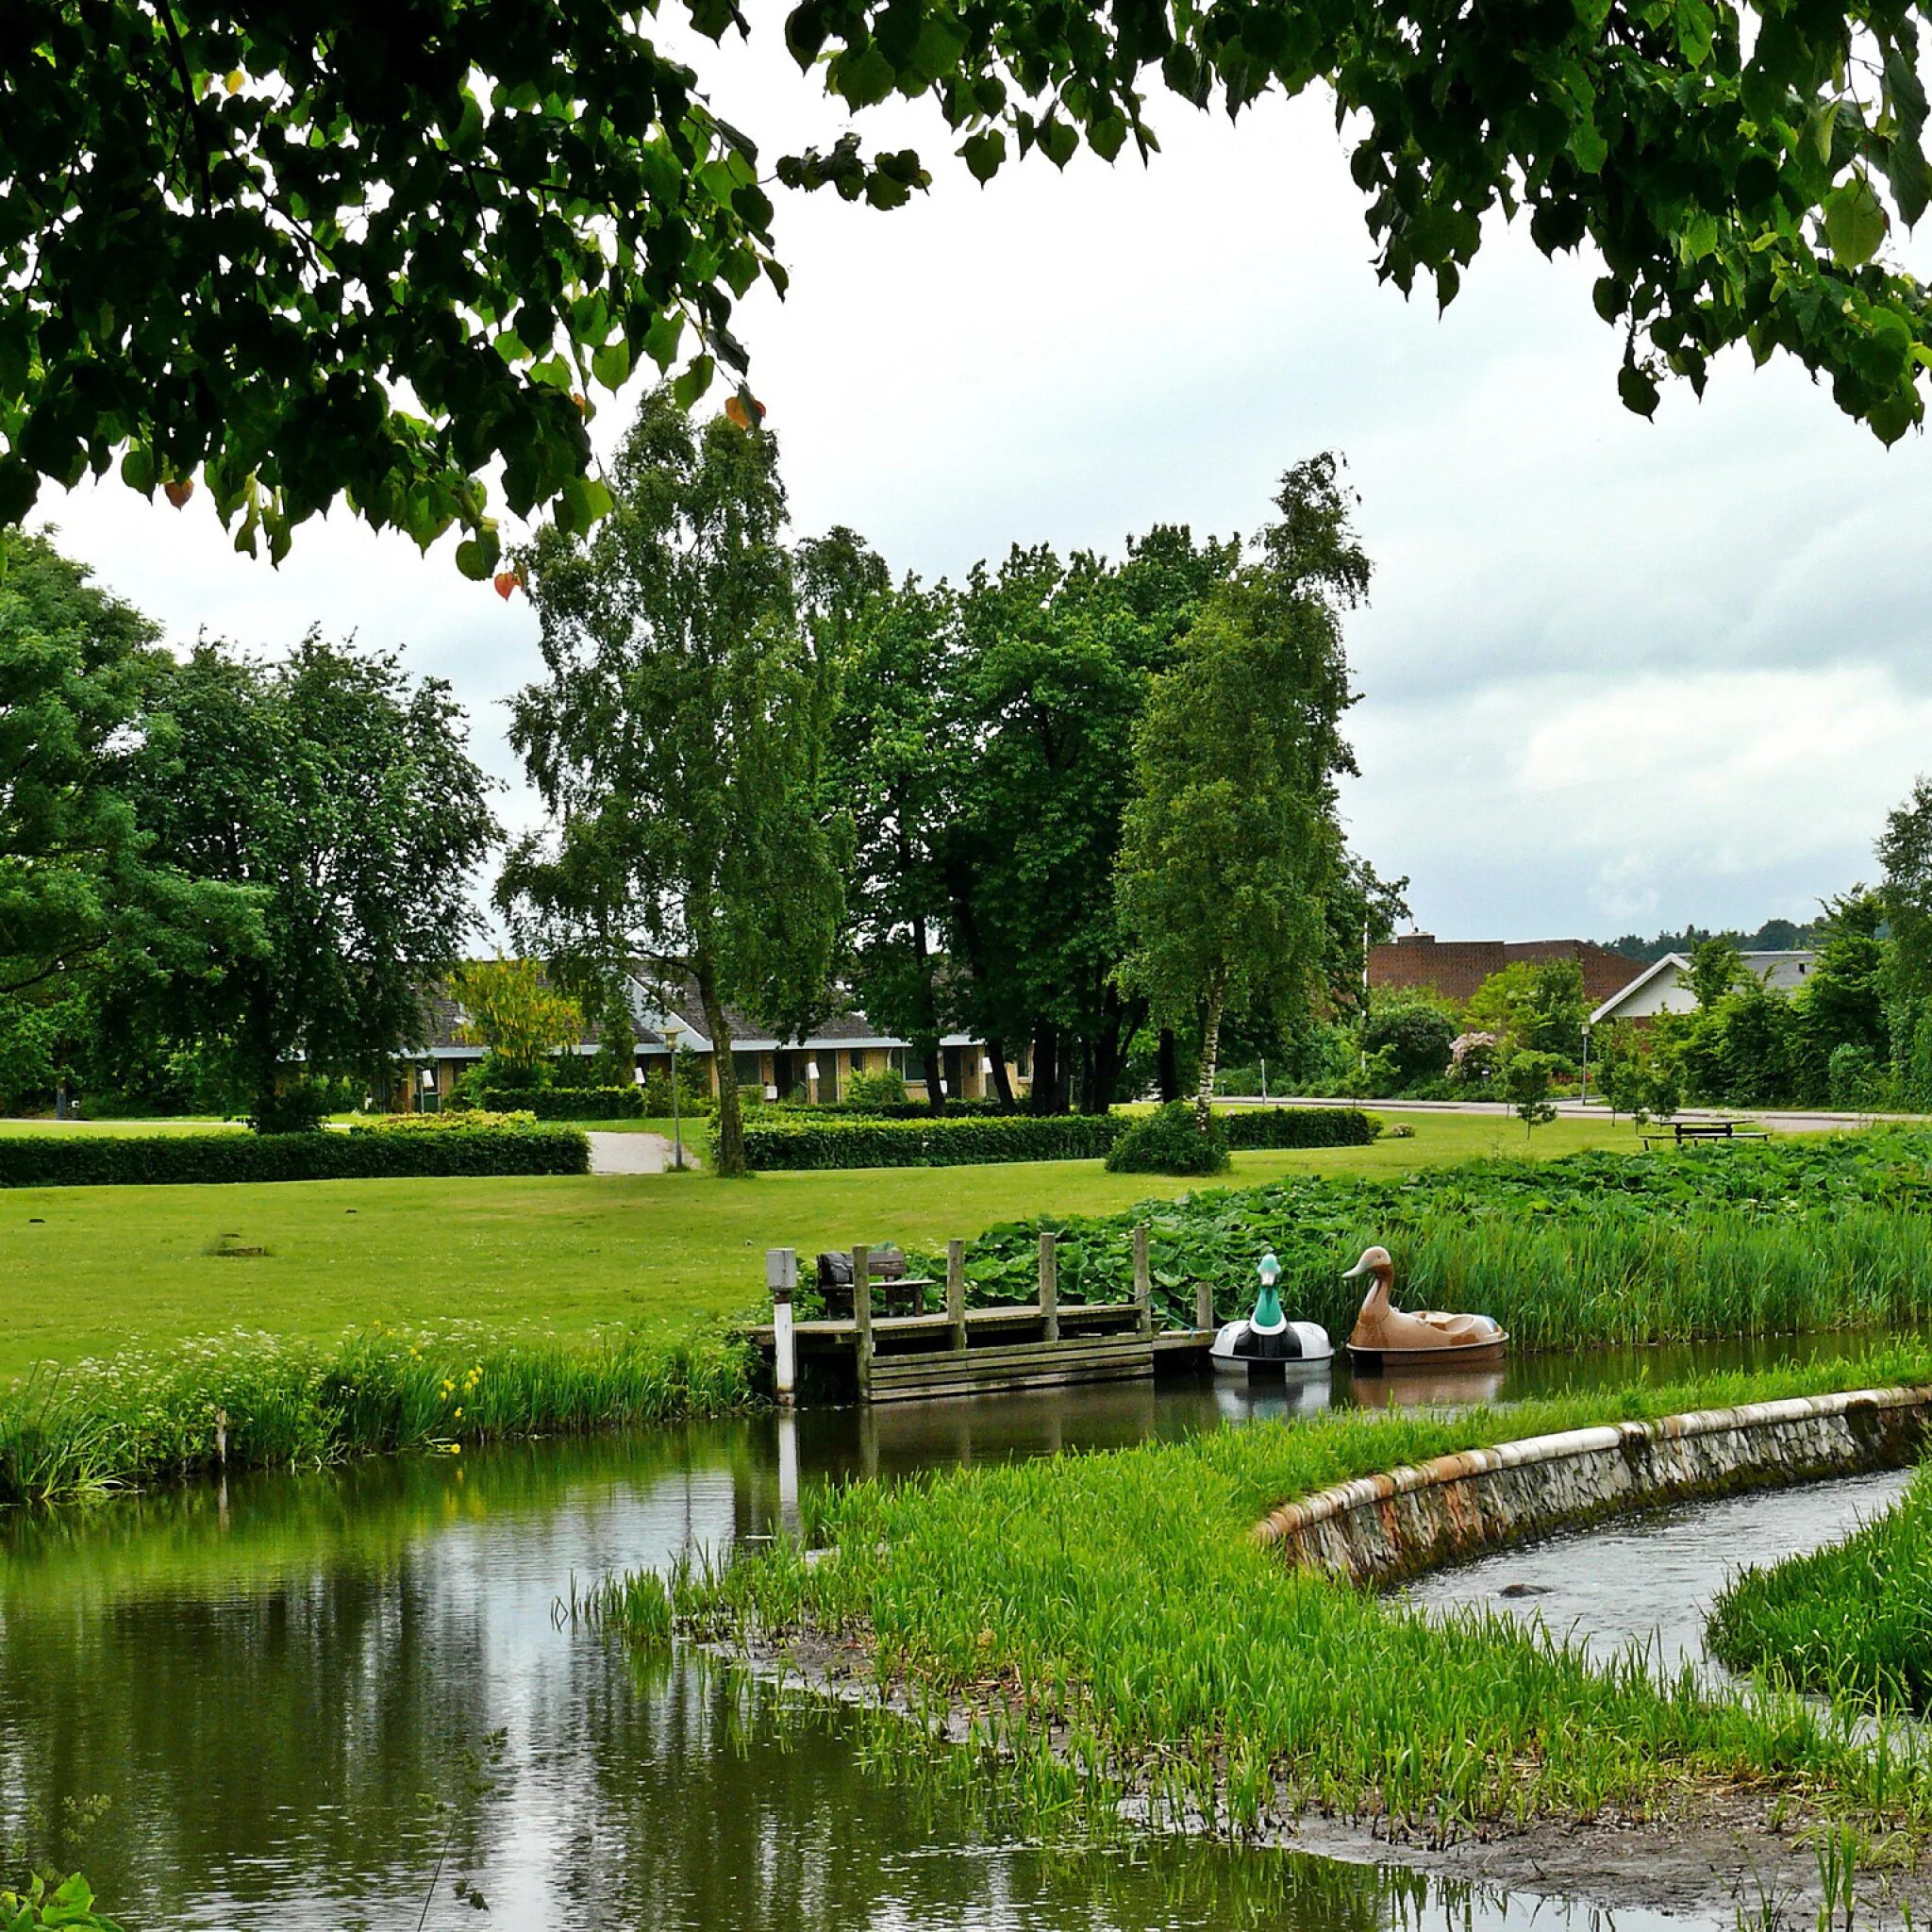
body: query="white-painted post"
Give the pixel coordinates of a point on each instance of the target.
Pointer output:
(1050, 1286)
(1143, 1284)
(787, 1473)
(781, 1277)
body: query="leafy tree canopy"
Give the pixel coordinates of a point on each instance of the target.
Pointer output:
(317, 251)
(512, 1011)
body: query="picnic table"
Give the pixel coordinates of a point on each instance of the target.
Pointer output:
(1685, 1132)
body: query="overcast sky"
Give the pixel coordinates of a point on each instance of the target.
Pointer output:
(1614, 674)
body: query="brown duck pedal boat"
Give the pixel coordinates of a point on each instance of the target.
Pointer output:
(1385, 1338)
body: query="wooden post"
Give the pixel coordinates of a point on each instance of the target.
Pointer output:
(861, 1311)
(1050, 1286)
(956, 1292)
(1143, 1284)
(1203, 1305)
(781, 1277)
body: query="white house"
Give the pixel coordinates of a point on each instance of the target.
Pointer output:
(1663, 987)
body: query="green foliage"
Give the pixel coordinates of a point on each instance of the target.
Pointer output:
(1171, 1140)
(204, 204)
(773, 1141)
(1714, 970)
(1231, 844)
(1905, 853)
(510, 1008)
(1853, 1620)
(698, 834)
(69, 1905)
(885, 1087)
(53, 1161)
(340, 795)
(252, 1400)
(83, 893)
(694, 1095)
(1294, 1127)
(458, 1120)
(567, 1103)
(1533, 1004)
(1525, 1081)
(1110, 1624)
(1411, 1030)
(294, 1107)
(1750, 1238)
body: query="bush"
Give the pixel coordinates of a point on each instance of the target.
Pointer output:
(569, 1103)
(1170, 1140)
(886, 1087)
(884, 1109)
(59, 1160)
(299, 1107)
(775, 1141)
(694, 1095)
(1296, 1127)
(1412, 1031)
(458, 1120)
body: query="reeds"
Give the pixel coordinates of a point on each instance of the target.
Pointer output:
(250, 1400)
(1110, 1613)
(1852, 1621)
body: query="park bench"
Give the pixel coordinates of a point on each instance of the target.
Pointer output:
(887, 1269)
(1683, 1132)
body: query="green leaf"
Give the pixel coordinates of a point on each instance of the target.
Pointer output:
(692, 383)
(661, 338)
(1696, 24)
(611, 365)
(1637, 390)
(983, 153)
(1588, 146)
(138, 469)
(1895, 414)
(476, 555)
(1854, 222)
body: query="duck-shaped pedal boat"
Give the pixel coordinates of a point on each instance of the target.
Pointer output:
(1268, 1347)
(1385, 1338)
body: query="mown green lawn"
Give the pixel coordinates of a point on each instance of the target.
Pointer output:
(89, 1271)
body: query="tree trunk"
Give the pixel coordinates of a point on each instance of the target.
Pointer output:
(1002, 1083)
(1169, 1066)
(932, 1060)
(1048, 1080)
(1210, 1055)
(727, 1152)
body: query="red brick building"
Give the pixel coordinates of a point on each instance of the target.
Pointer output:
(1455, 968)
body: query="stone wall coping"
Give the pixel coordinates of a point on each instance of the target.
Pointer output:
(1364, 1490)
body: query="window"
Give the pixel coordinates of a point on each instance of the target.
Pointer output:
(857, 1058)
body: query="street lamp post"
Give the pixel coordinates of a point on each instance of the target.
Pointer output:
(1586, 1064)
(672, 1030)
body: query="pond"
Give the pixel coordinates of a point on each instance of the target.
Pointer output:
(258, 1704)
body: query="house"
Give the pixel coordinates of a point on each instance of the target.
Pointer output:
(814, 1067)
(1664, 988)
(1456, 968)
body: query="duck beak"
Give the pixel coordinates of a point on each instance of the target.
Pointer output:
(1361, 1267)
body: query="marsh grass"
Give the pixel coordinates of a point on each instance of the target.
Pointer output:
(1852, 1621)
(253, 1400)
(1106, 1628)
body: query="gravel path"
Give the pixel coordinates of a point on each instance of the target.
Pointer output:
(634, 1152)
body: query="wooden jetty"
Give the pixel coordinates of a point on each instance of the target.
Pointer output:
(1044, 1343)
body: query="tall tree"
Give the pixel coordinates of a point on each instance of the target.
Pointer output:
(340, 794)
(317, 251)
(1232, 845)
(677, 739)
(84, 893)
(510, 1009)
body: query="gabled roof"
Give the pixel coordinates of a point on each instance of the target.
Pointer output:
(1643, 979)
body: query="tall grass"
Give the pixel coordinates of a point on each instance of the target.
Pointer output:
(1109, 1626)
(248, 1400)
(1851, 1621)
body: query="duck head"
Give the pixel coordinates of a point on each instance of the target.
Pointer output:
(1268, 1318)
(1374, 1261)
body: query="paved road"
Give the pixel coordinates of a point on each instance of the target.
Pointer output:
(1778, 1121)
(634, 1152)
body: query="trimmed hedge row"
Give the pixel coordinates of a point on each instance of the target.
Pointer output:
(567, 1103)
(826, 1142)
(87, 1160)
(885, 1109)
(1297, 1126)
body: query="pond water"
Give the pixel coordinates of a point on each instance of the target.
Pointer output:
(240, 1705)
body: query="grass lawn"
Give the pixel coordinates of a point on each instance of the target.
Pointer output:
(93, 1270)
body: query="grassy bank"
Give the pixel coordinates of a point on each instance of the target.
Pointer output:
(1850, 1621)
(249, 1401)
(1109, 1622)
(89, 1271)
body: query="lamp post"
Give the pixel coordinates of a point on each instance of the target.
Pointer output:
(672, 1030)
(1585, 1086)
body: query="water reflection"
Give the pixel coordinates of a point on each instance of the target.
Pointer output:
(269, 1682)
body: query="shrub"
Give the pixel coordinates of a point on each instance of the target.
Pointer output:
(1853, 1076)
(1296, 1127)
(1412, 1031)
(886, 1087)
(458, 1120)
(823, 1140)
(694, 1095)
(884, 1109)
(56, 1160)
(1170, 1140)
(299, 1107)
(569, 1103)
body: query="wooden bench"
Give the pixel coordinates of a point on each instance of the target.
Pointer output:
(887, 1269)
(1684, 1132)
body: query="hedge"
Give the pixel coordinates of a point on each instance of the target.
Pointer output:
(888, 1109)
(826, 1142)
(567, 1103)
(59, 1160)
(1296, 1127)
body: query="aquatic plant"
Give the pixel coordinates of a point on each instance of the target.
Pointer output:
(253, 1400)
(1106, 1624)
(1803, 1234)
(70, 1904)
(1853, 1621)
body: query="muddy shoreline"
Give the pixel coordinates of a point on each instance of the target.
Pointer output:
(1721, 1853)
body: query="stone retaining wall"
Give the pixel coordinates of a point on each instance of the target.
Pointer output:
(1380, 1528)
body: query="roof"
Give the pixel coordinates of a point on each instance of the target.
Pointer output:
(1779, 971)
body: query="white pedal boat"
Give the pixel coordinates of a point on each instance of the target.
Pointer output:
(1268, 1347)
